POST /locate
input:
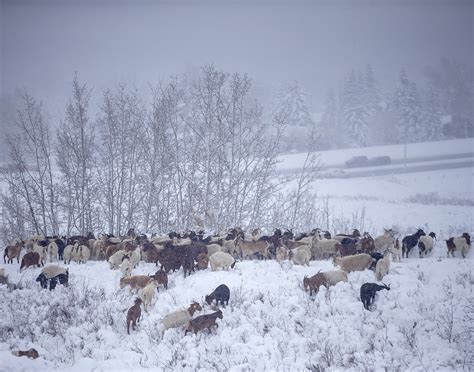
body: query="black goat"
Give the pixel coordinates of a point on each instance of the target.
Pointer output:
(368, 291)
(221, 293)
(410, 241)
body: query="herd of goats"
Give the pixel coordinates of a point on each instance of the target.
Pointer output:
(192, 251)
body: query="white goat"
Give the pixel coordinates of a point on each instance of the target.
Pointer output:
(301, 255)
(425, 245)
(116, 259)
(385, 241)
(148, 293)
(213, 248)
(179, 318)
(41, 251)
(68, 253)
(135, 257)
(322, 247)
(81, 253)
(358, 262)
(383, 266)
(126, 267)
(396, 251)
(221, 260)
(52, 251)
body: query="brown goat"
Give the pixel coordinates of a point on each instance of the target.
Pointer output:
(203, 321)
(30, 259)
(135, 282)
(161, 277)
(32, 353)
(134, 314)
(314, 282)
(12, 251)
(110, 250)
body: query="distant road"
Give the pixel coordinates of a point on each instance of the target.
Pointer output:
(398, 166)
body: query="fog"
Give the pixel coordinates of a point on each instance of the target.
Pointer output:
(315, 42)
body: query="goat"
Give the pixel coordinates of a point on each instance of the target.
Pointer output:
(53, 274)
(409, 241)
(41, 250)
(68, 253)
(31, 353)
(221, 293)
(249, 248)
(301, 255)
(82, 253)
(126, 266)
(355, 235)
(462, 243)
(396, 250)
(281, 254)
(117, 258)
(52, 251)
(135, 257)
(203, 321)
(12, 251)
(368, 291)
(426, 244)
(134, 314)
(161, 278)
(30, 259)
(202, 261)
(382, 267)
(179, 318)
(213, 248)
(135, 282)
(322, 247)
(385, 241)
(357, 262)
(328, 278)
(221, 260)
(148, 293)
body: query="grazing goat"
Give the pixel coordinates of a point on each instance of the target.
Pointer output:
(30, 259)
(179, 318)
(462, 243)
(32, 353)
(368, 291)
(301, 255)
(324, 247)
(358, 262)
(328, 278)
(426, 244)
(249, 248)
(148, 293)
(382, 267)
(53, 274)
(12, 251)
(203, 321)
(409, 241)
(221, 260)
(221, 293)
(135, 282)
(134, 314)
(161, 278)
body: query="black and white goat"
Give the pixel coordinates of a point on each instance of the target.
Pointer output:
(53, 274)
(410, 241)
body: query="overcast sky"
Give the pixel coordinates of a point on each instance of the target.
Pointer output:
(315, 42)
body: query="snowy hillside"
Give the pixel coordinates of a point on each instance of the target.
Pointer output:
(422, 323)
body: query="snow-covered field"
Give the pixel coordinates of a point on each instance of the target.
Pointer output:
(425, 322)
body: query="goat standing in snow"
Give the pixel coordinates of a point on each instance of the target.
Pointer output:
(368, 291)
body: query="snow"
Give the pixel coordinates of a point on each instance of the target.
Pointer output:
(423, 323)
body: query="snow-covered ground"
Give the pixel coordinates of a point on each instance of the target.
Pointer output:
(425, 322)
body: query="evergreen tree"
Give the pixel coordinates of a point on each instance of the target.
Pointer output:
(405, 103)
(329, 130)
(431, 119)
(371, 93)
(354, 111)
(293, 103)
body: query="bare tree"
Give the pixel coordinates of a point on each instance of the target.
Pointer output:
(32, 193)
(75, 159)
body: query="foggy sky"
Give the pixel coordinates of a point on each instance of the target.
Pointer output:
(315, 42)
